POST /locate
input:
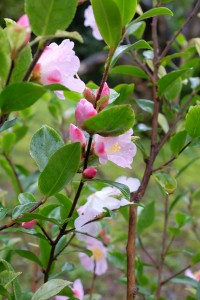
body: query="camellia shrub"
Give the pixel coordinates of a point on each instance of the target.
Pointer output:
(97, 197)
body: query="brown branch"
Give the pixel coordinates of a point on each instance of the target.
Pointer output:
(189, 18)
(147, 253)
(45, 233)
(174, 275)
(14, 222)
(163, 251)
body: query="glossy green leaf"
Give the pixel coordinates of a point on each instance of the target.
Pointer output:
(18, 96)
(9, 171)
(8, 141)
(118, 260)
(5, 57)
(20, 209)
(146, 105)
(3, 211)
(185, 167)
(4, 292)
(146, 217)
(142, 44)
(4, 265)
(154, 12)
(125, 92)
(22, 63)
(29, 255)
(8, 124)
(192, 124)
(166, 181)
(30, 216)
(127, 10)
(124, 189)
(112, 121)
(166, 81)
(108, 19)
(45, 142)
(129, 70)
(60, 169)
(177, 142)
(25, 198)
(173, 91)
(7, 277)
(46, 17)
(137, 29)
(50, 289)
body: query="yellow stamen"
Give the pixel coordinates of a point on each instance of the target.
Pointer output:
(97, 253)
(114, 148)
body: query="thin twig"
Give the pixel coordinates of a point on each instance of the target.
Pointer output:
(45, 233)
(189, 18)
(171, 159)
(147, 253)
(163, 251)
(93, 281)
(14, 172)
(174, 275)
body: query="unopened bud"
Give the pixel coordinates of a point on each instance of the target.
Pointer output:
(89, 96)
(89, 173)
(29, 225)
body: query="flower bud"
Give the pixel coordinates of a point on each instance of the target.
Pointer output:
(89, 96)
(89, 173)
(30, 224)
(76, 135)
(84, 111)
(105, 96)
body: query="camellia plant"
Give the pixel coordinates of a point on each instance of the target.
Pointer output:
(88, 170)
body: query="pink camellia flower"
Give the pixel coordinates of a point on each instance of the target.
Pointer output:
(24, 22)
(77, 289)
(30, 224)
(90, 21)
(84, 111)
(59, 64)
(89, 173)
(97, 262)
(119, 149)
(195, 275)
(76, 135)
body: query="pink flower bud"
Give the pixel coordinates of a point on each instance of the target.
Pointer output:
(84, 111)
(30, 224)
(89, 173)
(24, 22)
(76, 135)
(89, 96)
(104, 94)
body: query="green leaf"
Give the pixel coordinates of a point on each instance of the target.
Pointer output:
(7, 277)
(154, 12)
(21, 65)
(9, 171)
(173, 90)
(8, 141)
(30, 216)
(25, 198)
(198, 290)
(162, 121)
(146, 105)
(61, 168)
(142, 44)
(124, 189)
(146, 217)
(29, 255)
(118, 260)
(18, 96)
(3, 211)
(182, 219)
(184, 280)
(4, 292)
(50, 289)
(127, 10)
(166, 181)
(192, 124)
(108, 19)
(166, 81)
(177, 142)
(137, 29)
(129, 70)
(196, 258)
(8, 124)
(112, 121)
(45, 142)
(5, 57)
(20, 209)
(182, 170)
(46, 17)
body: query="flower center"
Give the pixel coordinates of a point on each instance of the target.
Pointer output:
(97, 253)
(114, 148)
